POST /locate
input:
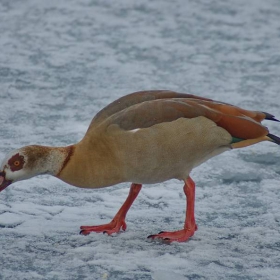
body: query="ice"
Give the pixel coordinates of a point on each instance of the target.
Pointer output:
(62, 61)
(10, 220)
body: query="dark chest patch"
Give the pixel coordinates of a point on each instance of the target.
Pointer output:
(16, 162)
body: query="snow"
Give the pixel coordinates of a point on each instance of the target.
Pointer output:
(62, 61)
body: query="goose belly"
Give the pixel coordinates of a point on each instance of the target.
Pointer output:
(171, 150)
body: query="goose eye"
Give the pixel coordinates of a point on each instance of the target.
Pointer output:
(16, 162)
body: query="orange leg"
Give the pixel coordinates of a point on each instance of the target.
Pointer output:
(118, 221)
(190, 226)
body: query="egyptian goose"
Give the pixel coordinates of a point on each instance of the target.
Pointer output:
(144, 138)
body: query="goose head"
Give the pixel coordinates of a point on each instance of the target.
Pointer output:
(30, 161)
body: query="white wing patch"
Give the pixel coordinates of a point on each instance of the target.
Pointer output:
(135, 130)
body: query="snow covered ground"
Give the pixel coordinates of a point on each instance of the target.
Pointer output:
(61, 61)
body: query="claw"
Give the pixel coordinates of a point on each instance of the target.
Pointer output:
(124, 226)
(155, 235)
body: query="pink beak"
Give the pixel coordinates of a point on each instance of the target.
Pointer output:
(3, 182)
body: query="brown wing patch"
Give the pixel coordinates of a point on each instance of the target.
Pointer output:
(137, 98)
(232, 110)
(237, 121)
(242, 127)
(16, 162)
(149, 113)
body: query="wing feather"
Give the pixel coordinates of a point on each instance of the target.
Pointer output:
(137, 98)
(229, 109)
(149, 113)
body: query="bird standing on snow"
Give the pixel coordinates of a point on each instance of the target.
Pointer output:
(144, 138)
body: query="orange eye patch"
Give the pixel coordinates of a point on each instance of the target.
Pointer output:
(17, 163)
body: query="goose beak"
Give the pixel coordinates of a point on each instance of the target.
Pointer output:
(3, 182)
